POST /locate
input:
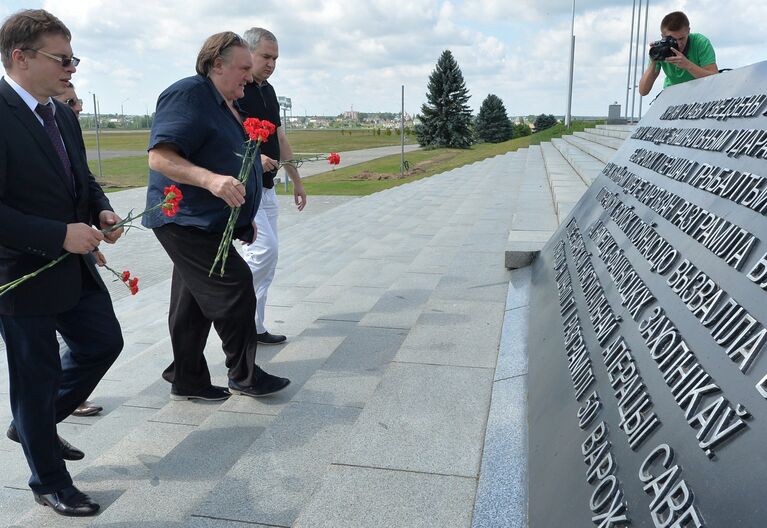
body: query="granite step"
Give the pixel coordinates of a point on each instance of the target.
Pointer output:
(567, 186)
(534, 218)
(607, 141)
(619, 131)
(600, 152)
(586, 165)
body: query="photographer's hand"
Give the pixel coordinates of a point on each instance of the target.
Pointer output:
(679, 60)
(696, 71)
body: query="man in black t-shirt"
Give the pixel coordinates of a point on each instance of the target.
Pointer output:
(260, 102)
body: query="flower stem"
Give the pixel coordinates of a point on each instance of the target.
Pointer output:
(251, 147)
(5, 288)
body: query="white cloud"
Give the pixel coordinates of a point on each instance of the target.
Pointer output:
(335, 53)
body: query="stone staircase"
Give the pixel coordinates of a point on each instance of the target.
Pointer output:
(567, 165)
(395, 305)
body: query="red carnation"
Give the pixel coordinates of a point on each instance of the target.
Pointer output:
(125, 276)
(258, 130)
(334, 158)
(170, 209)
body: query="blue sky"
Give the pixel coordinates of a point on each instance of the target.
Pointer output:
(336, 54)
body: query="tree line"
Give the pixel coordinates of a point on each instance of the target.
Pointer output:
(446, 120)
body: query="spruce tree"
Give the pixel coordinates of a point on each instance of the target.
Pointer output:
(445, 118)
(493, 125)
(544, 121)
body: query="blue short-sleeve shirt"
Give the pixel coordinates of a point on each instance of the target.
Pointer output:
(192, 116)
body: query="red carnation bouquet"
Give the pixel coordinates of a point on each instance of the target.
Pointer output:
(258, 131)
(169, 207)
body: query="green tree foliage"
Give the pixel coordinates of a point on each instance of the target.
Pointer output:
(520, 129)
(445, 117)
(493, 125)
(544, 121)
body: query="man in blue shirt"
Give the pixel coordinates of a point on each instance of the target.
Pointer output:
(197, 141)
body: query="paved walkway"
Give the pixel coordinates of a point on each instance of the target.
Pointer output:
(401, 412)
(393, 303)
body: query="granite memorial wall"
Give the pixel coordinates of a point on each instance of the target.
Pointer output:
(647, 367)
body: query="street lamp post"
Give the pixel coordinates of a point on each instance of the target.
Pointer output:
(402, 136)
(122, 114)
(98, 131)
(568, 116)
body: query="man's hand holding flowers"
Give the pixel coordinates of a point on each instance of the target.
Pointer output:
(81, 238)
(258, 131)
(107, 220)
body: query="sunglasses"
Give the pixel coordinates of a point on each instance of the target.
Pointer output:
(74, 102)
(65, 61)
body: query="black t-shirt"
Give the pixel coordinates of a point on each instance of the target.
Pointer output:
(261, 102)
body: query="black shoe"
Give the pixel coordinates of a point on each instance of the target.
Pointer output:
(210, 393)
(68, 451)
(69, 501)
(270, 339)
(267, 384)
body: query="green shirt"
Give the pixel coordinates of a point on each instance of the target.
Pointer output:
(699, 51)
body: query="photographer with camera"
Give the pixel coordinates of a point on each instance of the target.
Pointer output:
(695, 60)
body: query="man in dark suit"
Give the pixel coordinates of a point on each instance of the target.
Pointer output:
(49, 203)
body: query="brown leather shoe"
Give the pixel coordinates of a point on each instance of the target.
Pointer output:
(87, 408)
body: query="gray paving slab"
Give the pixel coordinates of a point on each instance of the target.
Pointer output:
(462, 288)
(353, 497)
(351, 374)
(433, 259)
(402, 304)
(297, 360)
(15, 503)
(501, 500)
(278, 473)
(353, 303)
(365, 349)
(293, 320)
(425, 418)
(352, 388)
(198, 521)
(184, 476)
(131, 460)
(463, 334)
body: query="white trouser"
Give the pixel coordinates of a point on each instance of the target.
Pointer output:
(261, 255)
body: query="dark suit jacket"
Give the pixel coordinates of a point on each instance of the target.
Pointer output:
(36, 204)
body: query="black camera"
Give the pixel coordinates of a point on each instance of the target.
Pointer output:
(660, 50)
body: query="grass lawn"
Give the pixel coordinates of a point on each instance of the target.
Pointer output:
(383, 173)
(356, 180)
(121, 173)
(301, 140)
(134, 140)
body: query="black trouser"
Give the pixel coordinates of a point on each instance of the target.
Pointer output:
(197, 300)
(45, 388)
